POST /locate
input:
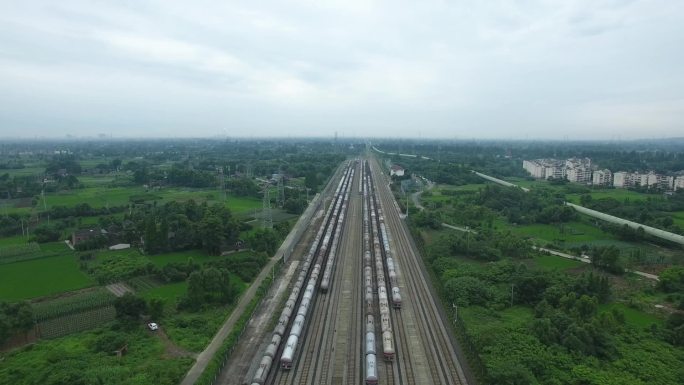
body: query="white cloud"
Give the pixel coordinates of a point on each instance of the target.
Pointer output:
(500, 68)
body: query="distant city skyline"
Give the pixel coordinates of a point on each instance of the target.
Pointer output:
(563, 70)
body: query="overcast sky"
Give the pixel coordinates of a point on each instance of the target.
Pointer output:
(457, 69)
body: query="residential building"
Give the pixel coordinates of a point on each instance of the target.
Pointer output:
(624, 179)
(545, 168)
(602, 178)
(621, 179)
(578, 170)
(678, 183)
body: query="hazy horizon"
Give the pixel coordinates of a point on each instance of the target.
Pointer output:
(559, 70)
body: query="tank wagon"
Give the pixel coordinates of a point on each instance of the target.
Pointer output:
(328, 245)
(301, 293)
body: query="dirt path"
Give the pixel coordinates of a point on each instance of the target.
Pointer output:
(416, 196)
(171, 350)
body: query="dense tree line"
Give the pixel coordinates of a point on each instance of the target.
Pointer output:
(181, 226)
(14, 318)
(536, 206)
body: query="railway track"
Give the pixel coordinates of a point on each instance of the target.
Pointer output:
(442, 361)
(332, 347)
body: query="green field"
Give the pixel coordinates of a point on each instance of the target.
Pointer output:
(95, 181)
(41, 277)
(436, 194)
(27, 171)
(16, 240)
(119, 196)
(170, 292)
(576, 231)
(618, 194)
(481, 319)
(554, 262)
(634, 317)
(678, 217)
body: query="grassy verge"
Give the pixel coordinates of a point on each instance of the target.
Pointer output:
(212, 370)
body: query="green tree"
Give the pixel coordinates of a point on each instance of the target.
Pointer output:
(156, 308)
(211, 235)
(672, 279)
(129, 306)
(465, 291)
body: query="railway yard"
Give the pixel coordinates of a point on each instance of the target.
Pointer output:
(358, 309)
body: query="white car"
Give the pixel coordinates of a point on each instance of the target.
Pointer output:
(153, 326)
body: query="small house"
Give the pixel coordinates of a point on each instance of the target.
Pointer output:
(85, 235)
(396, 170)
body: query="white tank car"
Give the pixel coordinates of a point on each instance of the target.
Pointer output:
(371, 370)
(370, 324)
(297, 326)
(385, 323)
(289, 307)
(369, 294)
(382, 293)
(390, 263)
(282, 323)
(303, 307)
(273, 346)
(262, 370)
(370, 343)
(396, 298)
(388, 345)
(288, 352)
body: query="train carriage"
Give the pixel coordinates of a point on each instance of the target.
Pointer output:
(371, 370)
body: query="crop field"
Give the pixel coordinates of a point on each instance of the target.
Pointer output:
(76, 322)
(40, 277)
(73, 303)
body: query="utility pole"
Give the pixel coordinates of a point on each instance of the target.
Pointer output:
(281, 189)
(512, 295)
(42, 193)
(266, 215)
(467, 239)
